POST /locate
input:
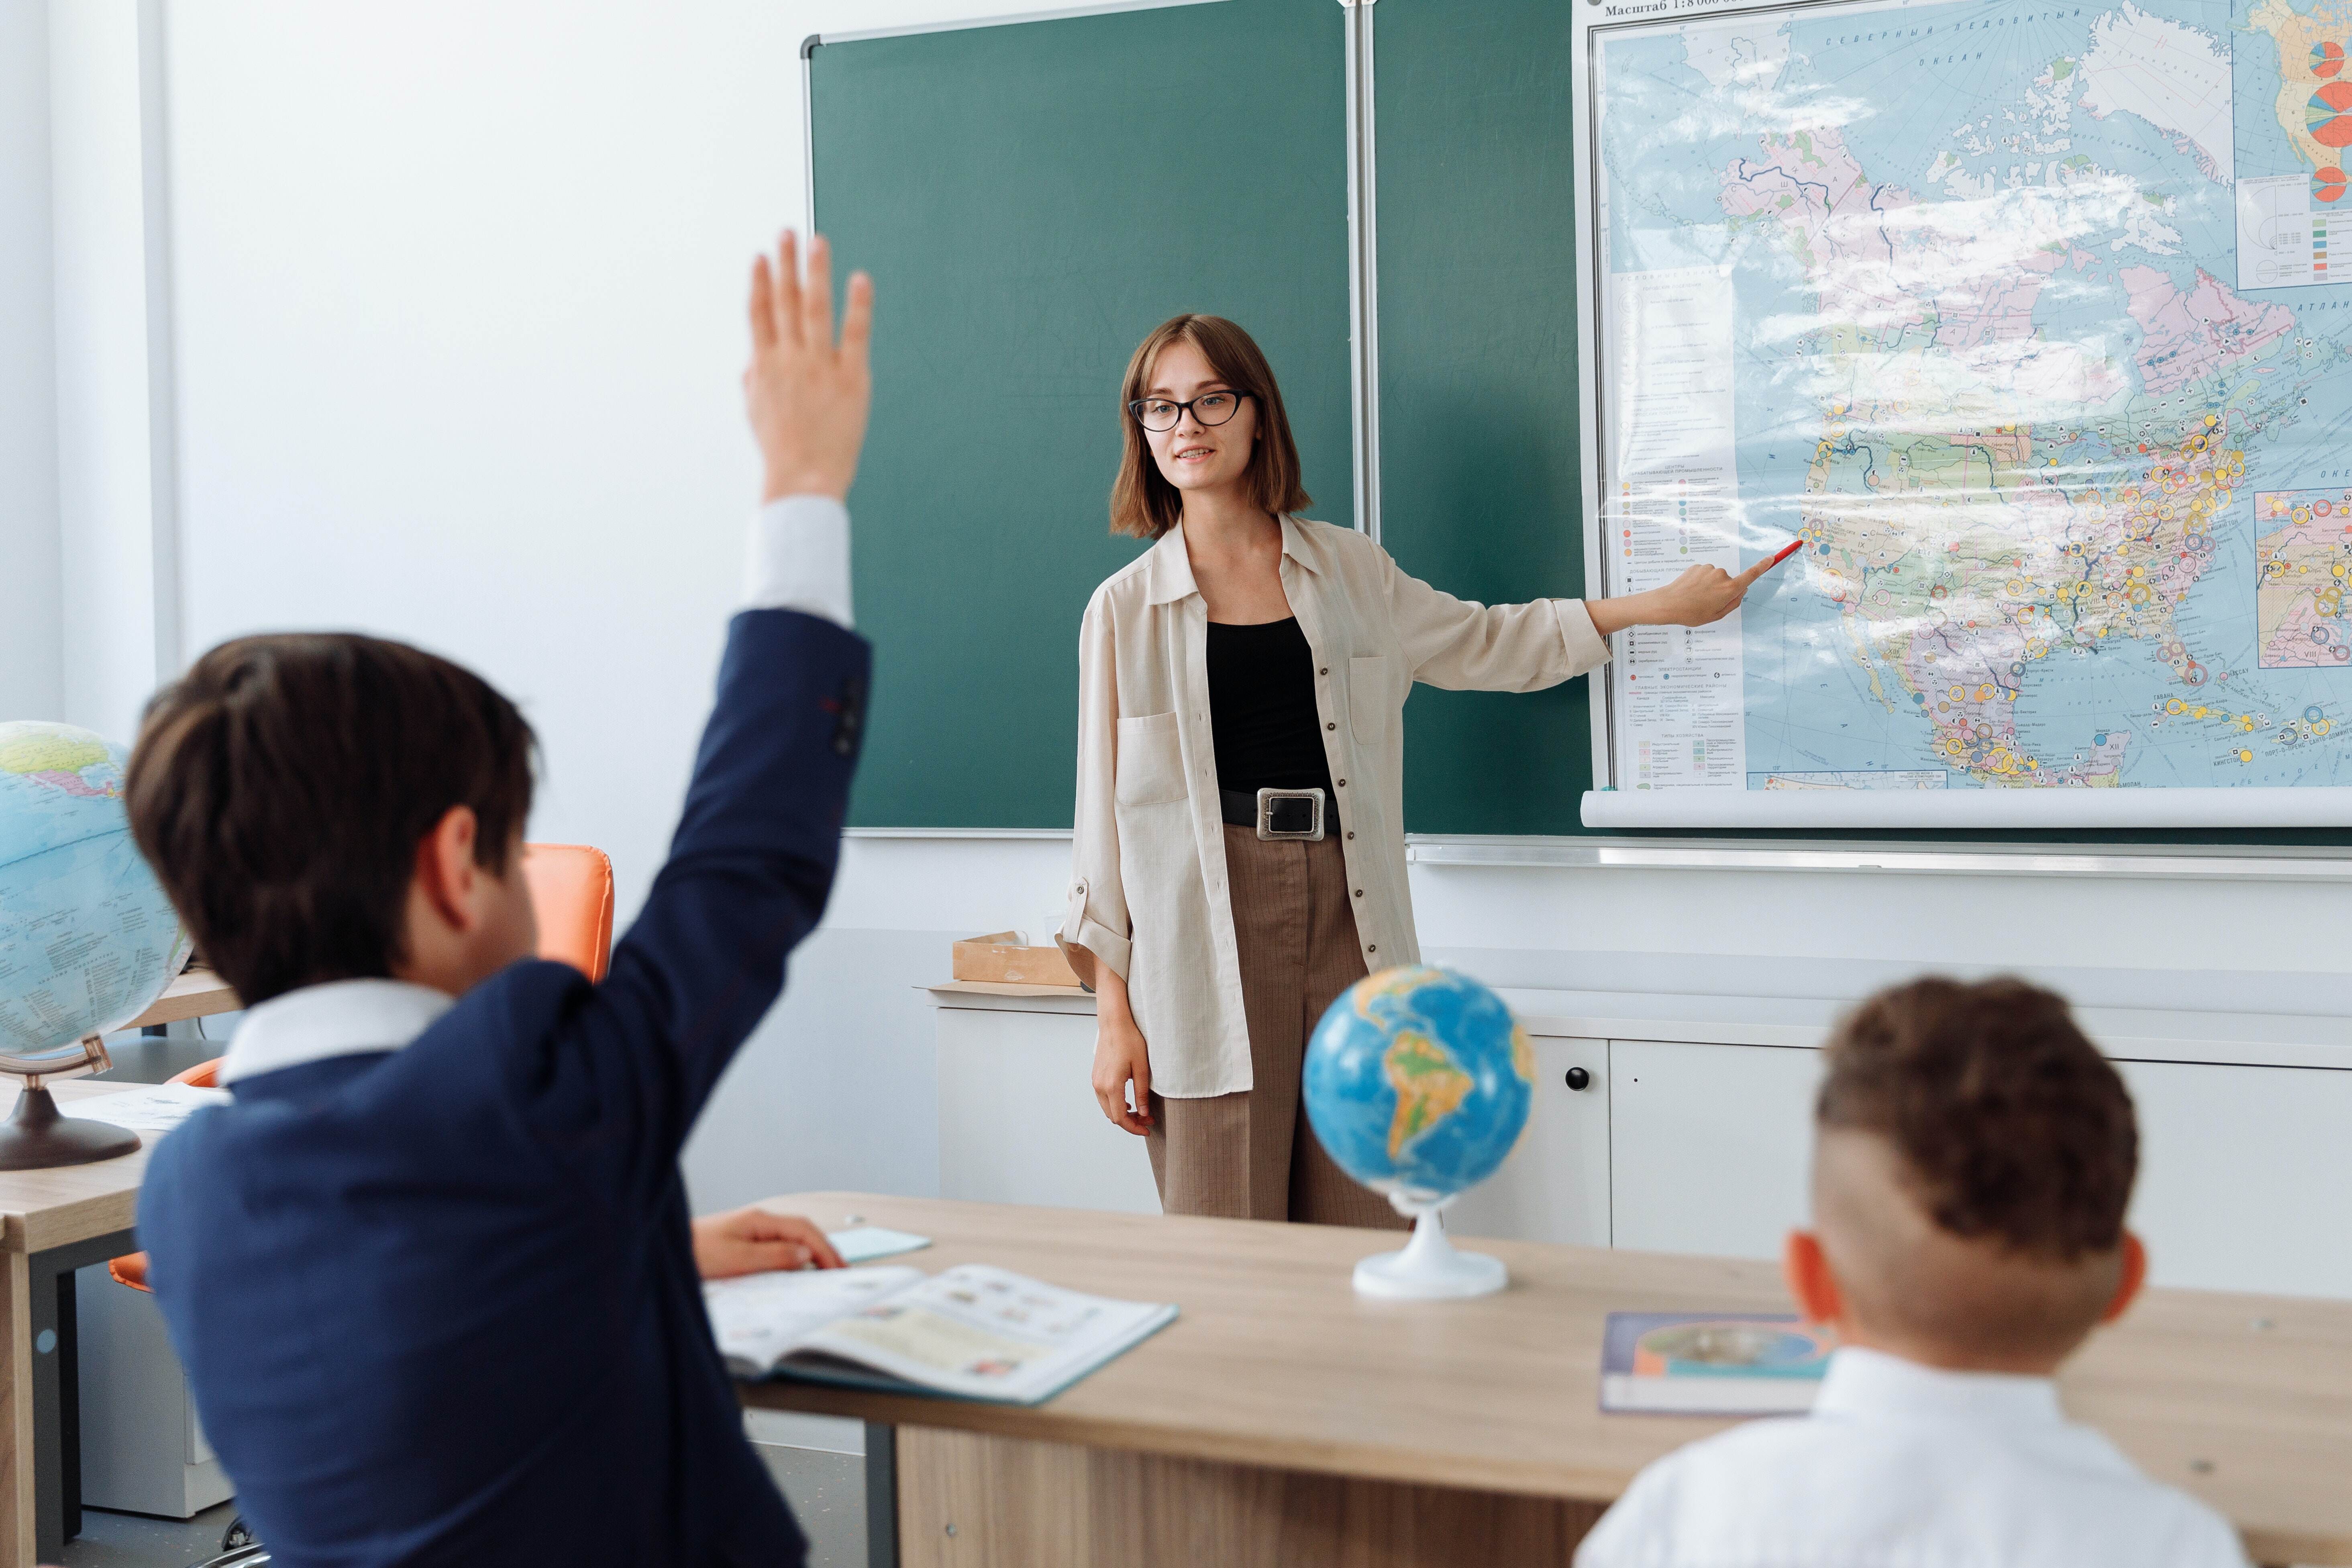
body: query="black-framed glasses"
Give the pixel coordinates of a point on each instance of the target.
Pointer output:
(1156, 413)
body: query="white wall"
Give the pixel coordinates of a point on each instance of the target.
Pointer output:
(457, 330)
(113, 457)
(30, 649)
(460, 292)
(459, 299)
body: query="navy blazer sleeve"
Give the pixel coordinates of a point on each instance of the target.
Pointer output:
(613, 1087)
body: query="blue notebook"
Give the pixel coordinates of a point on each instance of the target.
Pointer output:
(867, 1242)
(1711, 1364)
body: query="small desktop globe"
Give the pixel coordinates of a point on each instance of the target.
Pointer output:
(1418, 1083)
(88, 941)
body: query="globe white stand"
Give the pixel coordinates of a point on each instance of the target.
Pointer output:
(1428, 1269)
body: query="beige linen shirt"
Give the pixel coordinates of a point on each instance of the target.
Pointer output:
(1147, 888)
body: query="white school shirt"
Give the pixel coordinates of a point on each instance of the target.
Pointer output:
(1904, 1466)
(796, 558)
(1147, 889)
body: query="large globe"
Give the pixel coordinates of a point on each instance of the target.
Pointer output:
(1418, 1082)
(88, 941)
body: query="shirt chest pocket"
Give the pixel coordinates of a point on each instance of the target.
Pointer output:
(1370, 701)
(1150, 765)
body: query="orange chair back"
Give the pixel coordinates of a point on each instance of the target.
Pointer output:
(572, 894)
(203, 1075)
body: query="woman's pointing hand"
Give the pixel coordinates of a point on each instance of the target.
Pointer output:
(1700, 597)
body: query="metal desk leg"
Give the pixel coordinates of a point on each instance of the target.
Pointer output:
(881, 1495)
(57, 1388)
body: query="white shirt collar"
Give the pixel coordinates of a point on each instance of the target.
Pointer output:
(339, 1018)
(1867, 1382)
(1170, 564)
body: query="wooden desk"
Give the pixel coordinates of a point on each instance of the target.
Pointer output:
(51, 1222)
(196, 993)
(1283, 1420)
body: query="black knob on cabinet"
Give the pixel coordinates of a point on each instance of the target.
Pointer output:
(1579, 1078)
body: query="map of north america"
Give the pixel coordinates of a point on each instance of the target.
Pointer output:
(2031, 339)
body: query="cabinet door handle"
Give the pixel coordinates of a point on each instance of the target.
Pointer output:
(1578, 1079)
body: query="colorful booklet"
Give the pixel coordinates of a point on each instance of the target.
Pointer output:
(1718, 1363)
(971, 1332)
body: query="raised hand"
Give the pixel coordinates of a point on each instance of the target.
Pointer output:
(806, 394)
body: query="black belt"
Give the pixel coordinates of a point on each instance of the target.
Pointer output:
(1277, 813)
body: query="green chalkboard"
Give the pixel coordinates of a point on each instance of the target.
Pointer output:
(1480, 488)
(1032, 198)
(1480, 491)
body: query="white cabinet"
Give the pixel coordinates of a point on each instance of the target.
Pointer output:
(1708, 1145)
(2244, 1180)
(1018, 1121)
(1681, 1146)
(2244, 1184)
(142, 1448)
(1555, 1185)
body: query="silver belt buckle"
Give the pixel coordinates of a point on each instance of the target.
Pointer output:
(1314, 799)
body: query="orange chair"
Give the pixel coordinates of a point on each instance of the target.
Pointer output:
(570, 895)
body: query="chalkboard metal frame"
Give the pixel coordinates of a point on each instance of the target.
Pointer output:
(1901, 857)
(1364, 264)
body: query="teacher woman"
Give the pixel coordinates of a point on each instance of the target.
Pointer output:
(1240, 830)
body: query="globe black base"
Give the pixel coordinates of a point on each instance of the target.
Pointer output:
(38, 1137)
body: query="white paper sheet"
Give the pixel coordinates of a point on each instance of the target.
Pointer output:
(149, 1108)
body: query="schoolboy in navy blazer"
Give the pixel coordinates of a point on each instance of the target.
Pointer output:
(431, 1274)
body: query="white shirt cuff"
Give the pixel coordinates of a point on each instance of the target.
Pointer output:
(799, 558)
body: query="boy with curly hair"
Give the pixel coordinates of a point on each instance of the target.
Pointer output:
(1973, 1158)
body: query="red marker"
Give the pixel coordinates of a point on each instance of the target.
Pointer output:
(1786, 551)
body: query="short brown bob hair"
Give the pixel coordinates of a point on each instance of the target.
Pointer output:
(280, 787)
(2009, 1124)
(1143, 504)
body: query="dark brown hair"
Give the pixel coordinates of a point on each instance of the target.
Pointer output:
(2008, 1122)
(1143, 504)
(280, 787)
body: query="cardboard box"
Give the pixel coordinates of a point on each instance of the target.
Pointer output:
(999, 958)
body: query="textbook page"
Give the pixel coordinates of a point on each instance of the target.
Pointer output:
(758, 1319)
(982, 1333)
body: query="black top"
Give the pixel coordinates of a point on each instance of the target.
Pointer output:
(1262, 709)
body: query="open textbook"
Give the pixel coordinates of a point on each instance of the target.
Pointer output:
(972, 1332)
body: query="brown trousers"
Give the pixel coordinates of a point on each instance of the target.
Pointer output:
(1251, 1154)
